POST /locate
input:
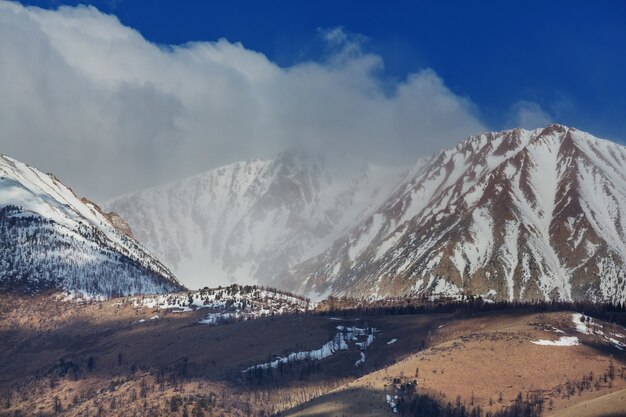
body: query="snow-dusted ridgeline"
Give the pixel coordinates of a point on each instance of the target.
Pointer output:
(511, 215)
(51, 239)
(228, 303)
(249, 221)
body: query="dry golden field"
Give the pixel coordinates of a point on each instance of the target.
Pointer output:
(115, 359)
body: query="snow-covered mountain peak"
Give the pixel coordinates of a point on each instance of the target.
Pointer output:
(53, 239)
(246, 222)
(517, 214)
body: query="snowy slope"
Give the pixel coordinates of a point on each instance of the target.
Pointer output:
(249, 221)
(52, 239)
(511, 215)
(223, 304)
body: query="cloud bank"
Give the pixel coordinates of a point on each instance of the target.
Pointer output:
(87, 98)
(528, 115)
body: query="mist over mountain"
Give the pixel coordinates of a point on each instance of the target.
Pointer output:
(312, 208)
(248, 222)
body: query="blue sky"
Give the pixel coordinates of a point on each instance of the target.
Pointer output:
(569, 57)
(164, 90)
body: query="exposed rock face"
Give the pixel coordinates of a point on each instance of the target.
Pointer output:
(51, 239)
(115, 219)
(119, 223)
(514, 215)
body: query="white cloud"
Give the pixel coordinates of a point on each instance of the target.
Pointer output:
(109, 112)
(528, 115)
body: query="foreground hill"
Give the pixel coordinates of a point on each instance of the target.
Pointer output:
(160, 356)
(49, 238)
(512, 215)
(514, 364)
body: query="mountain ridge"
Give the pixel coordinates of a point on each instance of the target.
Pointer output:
(248, 221)
(504, 215)
(51, 239)
(438, 238)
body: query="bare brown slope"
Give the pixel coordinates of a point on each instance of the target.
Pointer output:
(610, 405)
(486, 360)
(101, 358)
(52, 348)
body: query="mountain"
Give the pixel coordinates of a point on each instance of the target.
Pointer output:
(515, 215)
(51, 239)
(249, 221)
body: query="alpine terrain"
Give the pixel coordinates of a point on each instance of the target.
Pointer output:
(51, 239)
(513, 215)
(249, 221)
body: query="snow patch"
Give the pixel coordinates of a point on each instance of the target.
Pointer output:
(581, 324)
(345, 334)
(563, 341)
(586, 325)
(392, 401)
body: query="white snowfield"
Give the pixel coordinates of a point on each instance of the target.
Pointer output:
(52, 238)
(228, 303)
(362, 338)
(563, 341)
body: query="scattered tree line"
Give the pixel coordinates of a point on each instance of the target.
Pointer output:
(301, 370)
(590, 382)
(410, 403)
(234, 289)
(343, 306)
